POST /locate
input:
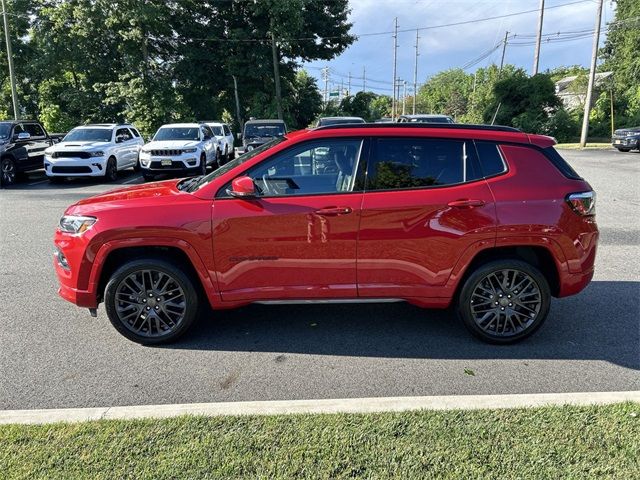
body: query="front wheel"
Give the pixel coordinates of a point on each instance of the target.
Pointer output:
(504, 301)
(111, 170)
(203, 164)
(8, 171)
(151, 301)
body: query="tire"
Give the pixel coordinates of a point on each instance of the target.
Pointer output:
(111, 170)
(148, 177)
(137, 167)
(625, 150)
(484, 319)
(8, 171)
(133, 307)
(203, 165)
(232, 154)
(56, 180)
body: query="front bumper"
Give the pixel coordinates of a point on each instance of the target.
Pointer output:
(75, 167)
(74, 270)
(179, 163)
(625, 142)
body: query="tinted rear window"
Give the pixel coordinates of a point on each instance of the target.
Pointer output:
(491, 161)
(560, 163)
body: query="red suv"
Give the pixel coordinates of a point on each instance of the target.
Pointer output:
(488, 219)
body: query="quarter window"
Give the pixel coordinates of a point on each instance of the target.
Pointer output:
(490, 158)
(326, 166)
(405, 163)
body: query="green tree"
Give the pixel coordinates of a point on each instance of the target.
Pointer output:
(305, 102)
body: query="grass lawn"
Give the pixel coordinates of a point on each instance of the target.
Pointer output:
(550, 442)
(590, 146)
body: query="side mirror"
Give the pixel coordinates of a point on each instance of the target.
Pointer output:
(23, 136)
(239, 136)
(242, 187)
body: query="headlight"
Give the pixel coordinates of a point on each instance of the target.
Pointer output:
(144, 150)
(189, 150)
(249, 148)
(76, 223)
(99, 153)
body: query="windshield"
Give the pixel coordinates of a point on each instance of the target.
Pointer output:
(338, 121)
(202, 181)
(88, 135)
(253, 130)
(217, 131)
(177, 133)
(5, 130)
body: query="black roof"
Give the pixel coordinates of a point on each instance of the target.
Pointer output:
(447, 126)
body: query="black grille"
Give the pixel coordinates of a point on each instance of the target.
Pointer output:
(71, 155)
(166, 153)
(60, 169)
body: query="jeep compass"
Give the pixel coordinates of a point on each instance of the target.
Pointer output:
(489, 220)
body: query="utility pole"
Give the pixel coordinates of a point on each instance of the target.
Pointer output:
(12, 77)
(325, 77)
(395, 62)
(276, 72)
(592, 76)
(415, 75)
(504, 50)
(536, 55)
(364, 79)
(341, 89)
(238, 115)
(349, 85)
(404, 95)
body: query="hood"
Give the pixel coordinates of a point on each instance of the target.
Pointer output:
(171, 144)
(153, 190)
(76, 145)
(625, 130)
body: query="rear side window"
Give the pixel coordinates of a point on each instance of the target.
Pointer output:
(406, 163)
(490, 159)
(560, 163)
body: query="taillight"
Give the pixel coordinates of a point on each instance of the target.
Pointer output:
(583, 203)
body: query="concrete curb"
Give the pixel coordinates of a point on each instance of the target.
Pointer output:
(346, 405)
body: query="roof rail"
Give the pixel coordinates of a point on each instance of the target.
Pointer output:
(447, 126)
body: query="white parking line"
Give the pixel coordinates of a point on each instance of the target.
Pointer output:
(131, 180)
(346, 405)
(37, 183)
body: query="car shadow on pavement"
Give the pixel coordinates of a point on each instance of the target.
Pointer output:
(601, 323)
(39, 181)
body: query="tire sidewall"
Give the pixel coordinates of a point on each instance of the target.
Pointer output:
(191, 298)
(112, 166)
(464, 299)
(3, 162)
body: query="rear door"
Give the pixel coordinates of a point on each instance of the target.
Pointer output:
(297, 239)
(425, 204)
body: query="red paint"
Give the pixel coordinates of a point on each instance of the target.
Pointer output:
(412, 244)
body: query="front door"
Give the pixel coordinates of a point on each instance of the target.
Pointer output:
(297, 239)
(425, 204)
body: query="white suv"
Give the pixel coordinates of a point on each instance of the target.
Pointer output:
(224, 137)
(99, 150)
(179, 148)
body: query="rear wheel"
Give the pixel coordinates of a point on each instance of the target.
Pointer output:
(111, 170)
(8, 171)
(151, 301)
(504, 301)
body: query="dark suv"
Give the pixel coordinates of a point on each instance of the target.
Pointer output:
(22, 146)
(489, 220)
(626, 139)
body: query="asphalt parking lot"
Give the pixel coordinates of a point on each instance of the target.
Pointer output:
(53, 354)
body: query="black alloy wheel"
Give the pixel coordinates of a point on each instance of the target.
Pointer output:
(504, 301)
(151, 301)
(8, 171)
(111, 170)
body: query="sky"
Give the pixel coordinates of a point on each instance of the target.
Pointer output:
(454, 46)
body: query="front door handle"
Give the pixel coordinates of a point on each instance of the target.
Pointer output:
(466, 203)
(333, 211)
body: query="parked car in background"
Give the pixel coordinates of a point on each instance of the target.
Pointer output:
(324, 121)
(384, 120)
(22, 147)
(425, 118)
(490, 220)
(258, 132)
(179, 149)
(626, 139)
(224, 136)
(96, 150)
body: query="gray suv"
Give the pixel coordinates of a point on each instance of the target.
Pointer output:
(258, 132)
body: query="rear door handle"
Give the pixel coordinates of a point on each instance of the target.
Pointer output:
(466, 203)
(333, 211)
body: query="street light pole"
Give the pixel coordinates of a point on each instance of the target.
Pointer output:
(12, 77)
(536, 55)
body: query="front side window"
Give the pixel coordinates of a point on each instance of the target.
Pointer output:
(217, 131)
(124, 133)
(323, 166)
(34, 129)
(227, 132)
(406, 163)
